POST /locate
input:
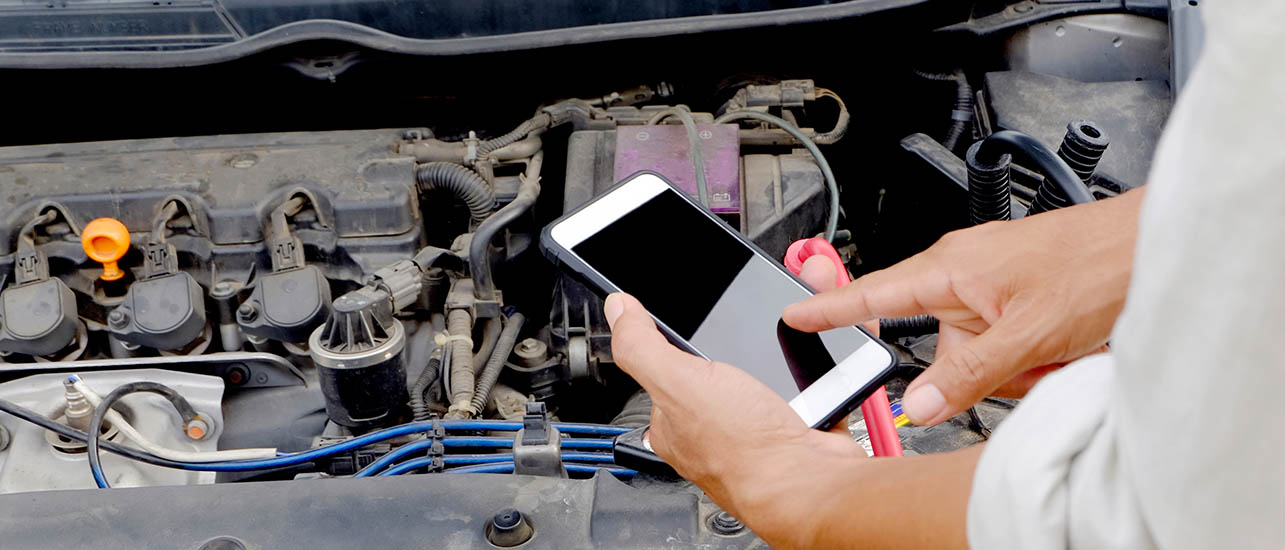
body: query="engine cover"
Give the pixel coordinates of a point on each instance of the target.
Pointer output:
(363, 211)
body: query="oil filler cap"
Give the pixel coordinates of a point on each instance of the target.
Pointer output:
(106, 240)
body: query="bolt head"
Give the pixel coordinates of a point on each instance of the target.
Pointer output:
(724, 523)
(247, 312)
(197, 429)
(117, 319)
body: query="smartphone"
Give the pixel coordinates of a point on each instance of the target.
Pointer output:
(715, 294)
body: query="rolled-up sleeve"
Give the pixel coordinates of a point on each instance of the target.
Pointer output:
(1175, 438)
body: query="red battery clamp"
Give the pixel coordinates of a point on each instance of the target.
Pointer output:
(876, 410)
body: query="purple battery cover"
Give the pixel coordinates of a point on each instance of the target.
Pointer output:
(664, 149)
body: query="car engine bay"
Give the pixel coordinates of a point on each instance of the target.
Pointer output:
(317, 262)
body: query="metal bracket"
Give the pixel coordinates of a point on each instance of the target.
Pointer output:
(243, 369)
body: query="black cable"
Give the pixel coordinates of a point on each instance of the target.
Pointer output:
(184, 409)
(418, 404)
(1050, 165)
(23, 413)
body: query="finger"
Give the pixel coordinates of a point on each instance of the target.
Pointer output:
(964, 373)
(893, 292)
(639, 348)
(1017, 386)
(819, 273)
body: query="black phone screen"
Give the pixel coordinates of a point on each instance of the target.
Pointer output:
(726, 300)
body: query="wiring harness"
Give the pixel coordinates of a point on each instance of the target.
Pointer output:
(579, 455)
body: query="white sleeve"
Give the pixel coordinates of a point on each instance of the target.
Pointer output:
(1174, 440)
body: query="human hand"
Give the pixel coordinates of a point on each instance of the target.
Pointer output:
(1015, 299)
(721, 428)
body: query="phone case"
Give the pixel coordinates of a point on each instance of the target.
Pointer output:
(569, 262)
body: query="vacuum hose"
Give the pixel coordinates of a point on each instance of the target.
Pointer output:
(491, 372)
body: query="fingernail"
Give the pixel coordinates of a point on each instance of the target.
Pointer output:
(612, 309)
(923, 404)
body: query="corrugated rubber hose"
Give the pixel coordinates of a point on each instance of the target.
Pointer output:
(459, 324)
(491, 373)
(462, 182)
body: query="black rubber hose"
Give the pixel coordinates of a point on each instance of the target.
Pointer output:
(1054, 169)
(901, 327)
(490, 335)
(184, 409)
(431, 373)
(479, 257)
(989, 192)
(460, 181)
(1082, 148)
(491, 372)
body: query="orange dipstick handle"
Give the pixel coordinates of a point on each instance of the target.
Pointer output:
(105, 241)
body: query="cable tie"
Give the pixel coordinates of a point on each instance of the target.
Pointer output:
(442, 338)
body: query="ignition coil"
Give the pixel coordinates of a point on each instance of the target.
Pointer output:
(166, 308)
(294, 299)
(38, 314)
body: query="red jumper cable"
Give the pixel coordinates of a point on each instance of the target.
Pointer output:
(876, 409)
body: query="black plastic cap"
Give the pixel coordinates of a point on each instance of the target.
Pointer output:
(507, 519)
(361, 320)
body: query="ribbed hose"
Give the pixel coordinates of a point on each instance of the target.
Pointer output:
(491, 373)
(462, 182)
(541, 121)
(1031, 151)
(459, 324)
(989, 194)
(418, 405)
(1082, 148)
(490, 335)
(901, 327)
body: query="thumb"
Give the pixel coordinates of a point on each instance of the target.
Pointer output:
(639, 348)
(966, 370)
